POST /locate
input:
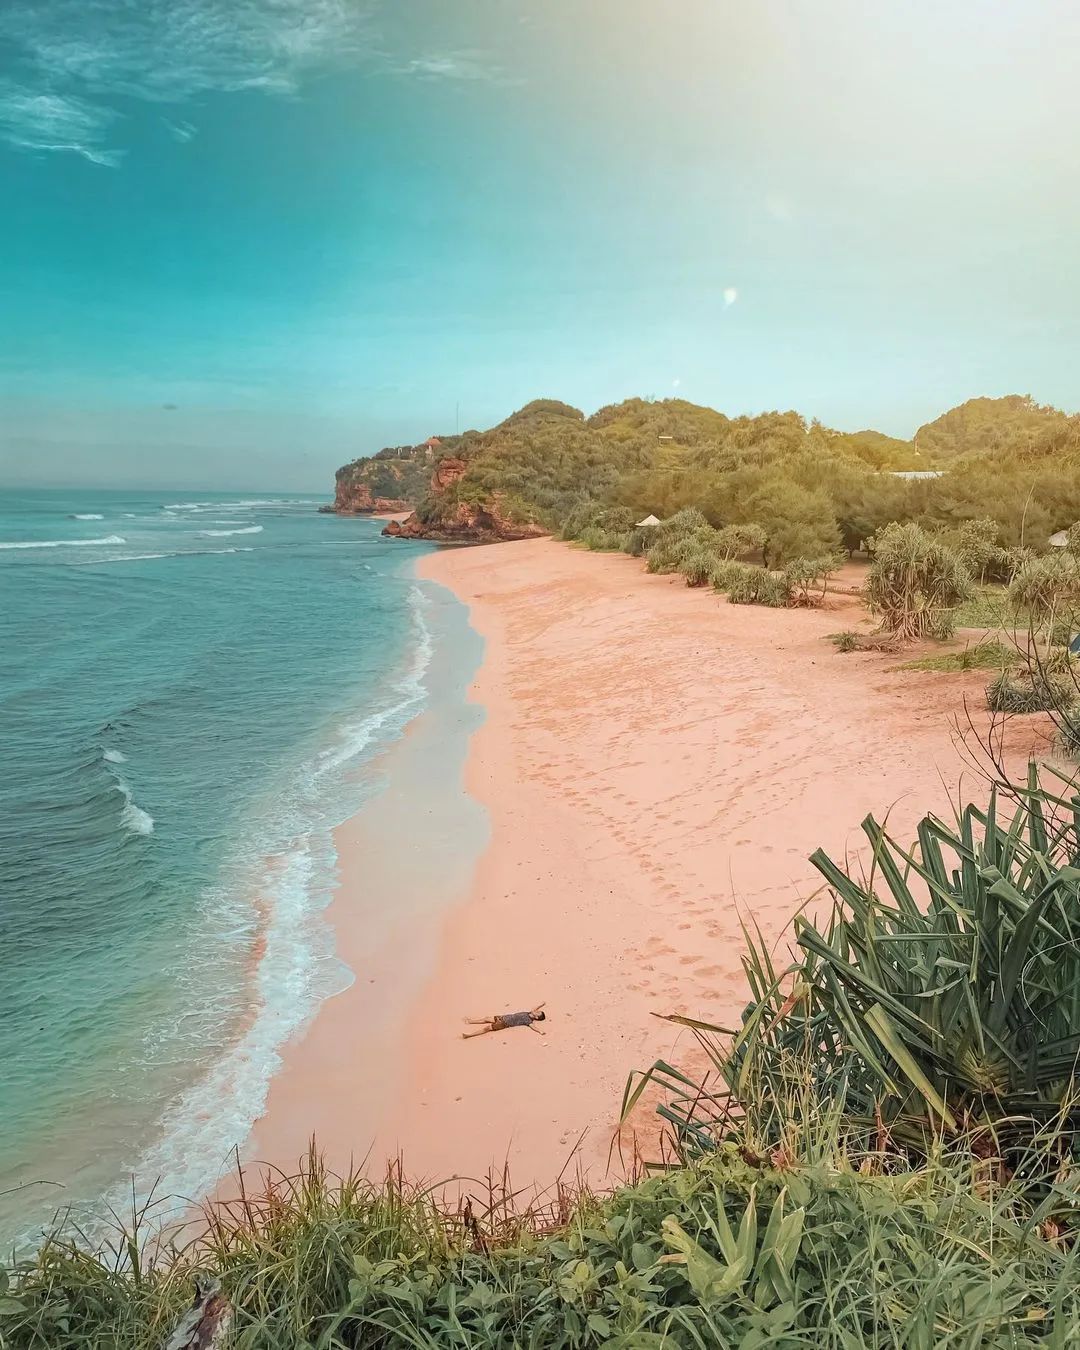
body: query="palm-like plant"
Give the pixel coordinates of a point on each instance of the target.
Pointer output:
(942, 994)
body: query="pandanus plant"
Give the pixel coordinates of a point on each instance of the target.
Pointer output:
(941, 996)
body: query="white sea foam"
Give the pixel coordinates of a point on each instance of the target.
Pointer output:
(216, 1114)
(176, 553)
(220, 534)
(133, 817)
(63, 543)
(114, 757)
(87, 516)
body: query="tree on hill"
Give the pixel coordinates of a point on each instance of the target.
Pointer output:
(982, 426)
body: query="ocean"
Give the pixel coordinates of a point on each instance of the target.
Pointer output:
(193, 691)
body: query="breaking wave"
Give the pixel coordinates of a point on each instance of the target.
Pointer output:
(62, 543)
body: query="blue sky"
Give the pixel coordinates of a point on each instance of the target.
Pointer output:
(244, 240)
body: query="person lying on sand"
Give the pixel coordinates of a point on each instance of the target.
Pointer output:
(501, 1021)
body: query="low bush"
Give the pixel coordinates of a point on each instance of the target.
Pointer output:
(1030, 691)
(751, 585)
(724, 573)
(601, 540)
(803, 577)
(697, 566)
(990, 654)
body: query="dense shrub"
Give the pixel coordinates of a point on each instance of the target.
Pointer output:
(803, 577)
(697, 566)
(724, 573)
(733, 541)
(751, 585)
(915, 582)
(1030, 692)
(937, 1006)
(1048, 588)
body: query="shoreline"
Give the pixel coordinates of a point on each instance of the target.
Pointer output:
(656, 766)
(333, 1077)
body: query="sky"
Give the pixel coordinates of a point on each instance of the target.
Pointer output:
(243, 241)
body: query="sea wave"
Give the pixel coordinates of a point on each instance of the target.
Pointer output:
(62, 543)
(296, 965)
(90, 515)
(220, 534)
(132, 816)
(176, 553)
(114, 757)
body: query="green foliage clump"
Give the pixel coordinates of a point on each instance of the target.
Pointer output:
(990, 654)
(938, 1005)
(846, 641)
(785, 1249)
(697, 566)
(1048, 588)
(996, 427)
(592, 515)
(749, 585)
(1030, 691)
(803, 576)
(734, 541)
(683, 536)
(915, 582)
(724, 573)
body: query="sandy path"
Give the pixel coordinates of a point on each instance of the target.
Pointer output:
(653, 759)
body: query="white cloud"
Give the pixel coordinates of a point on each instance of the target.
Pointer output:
(676, 382)
(73, 55)
(182, 131)
(730, 296)
(459, 65)
(32, 119)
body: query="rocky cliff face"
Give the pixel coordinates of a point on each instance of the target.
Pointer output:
(355, 498)
(393, 480)
(446, 517)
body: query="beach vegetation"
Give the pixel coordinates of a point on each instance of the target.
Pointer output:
(989, 654)
(1047, 589)
(935, 1009)
(1030, 691)
(697, 565)
(751, 585)
(807, 579)
(916, 582)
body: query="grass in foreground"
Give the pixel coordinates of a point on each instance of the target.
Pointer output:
(742, 1248)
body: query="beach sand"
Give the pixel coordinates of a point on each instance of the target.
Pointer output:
(657, 765)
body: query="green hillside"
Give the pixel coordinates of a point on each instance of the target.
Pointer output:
(1013, 425)
(1008, 460)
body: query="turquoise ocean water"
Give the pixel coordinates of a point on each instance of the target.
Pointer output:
(191, 690)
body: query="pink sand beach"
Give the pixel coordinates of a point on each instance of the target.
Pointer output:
(657, 765)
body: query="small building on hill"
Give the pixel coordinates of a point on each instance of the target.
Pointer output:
(649, 520)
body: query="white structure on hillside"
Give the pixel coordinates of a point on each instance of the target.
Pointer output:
(649, 520)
